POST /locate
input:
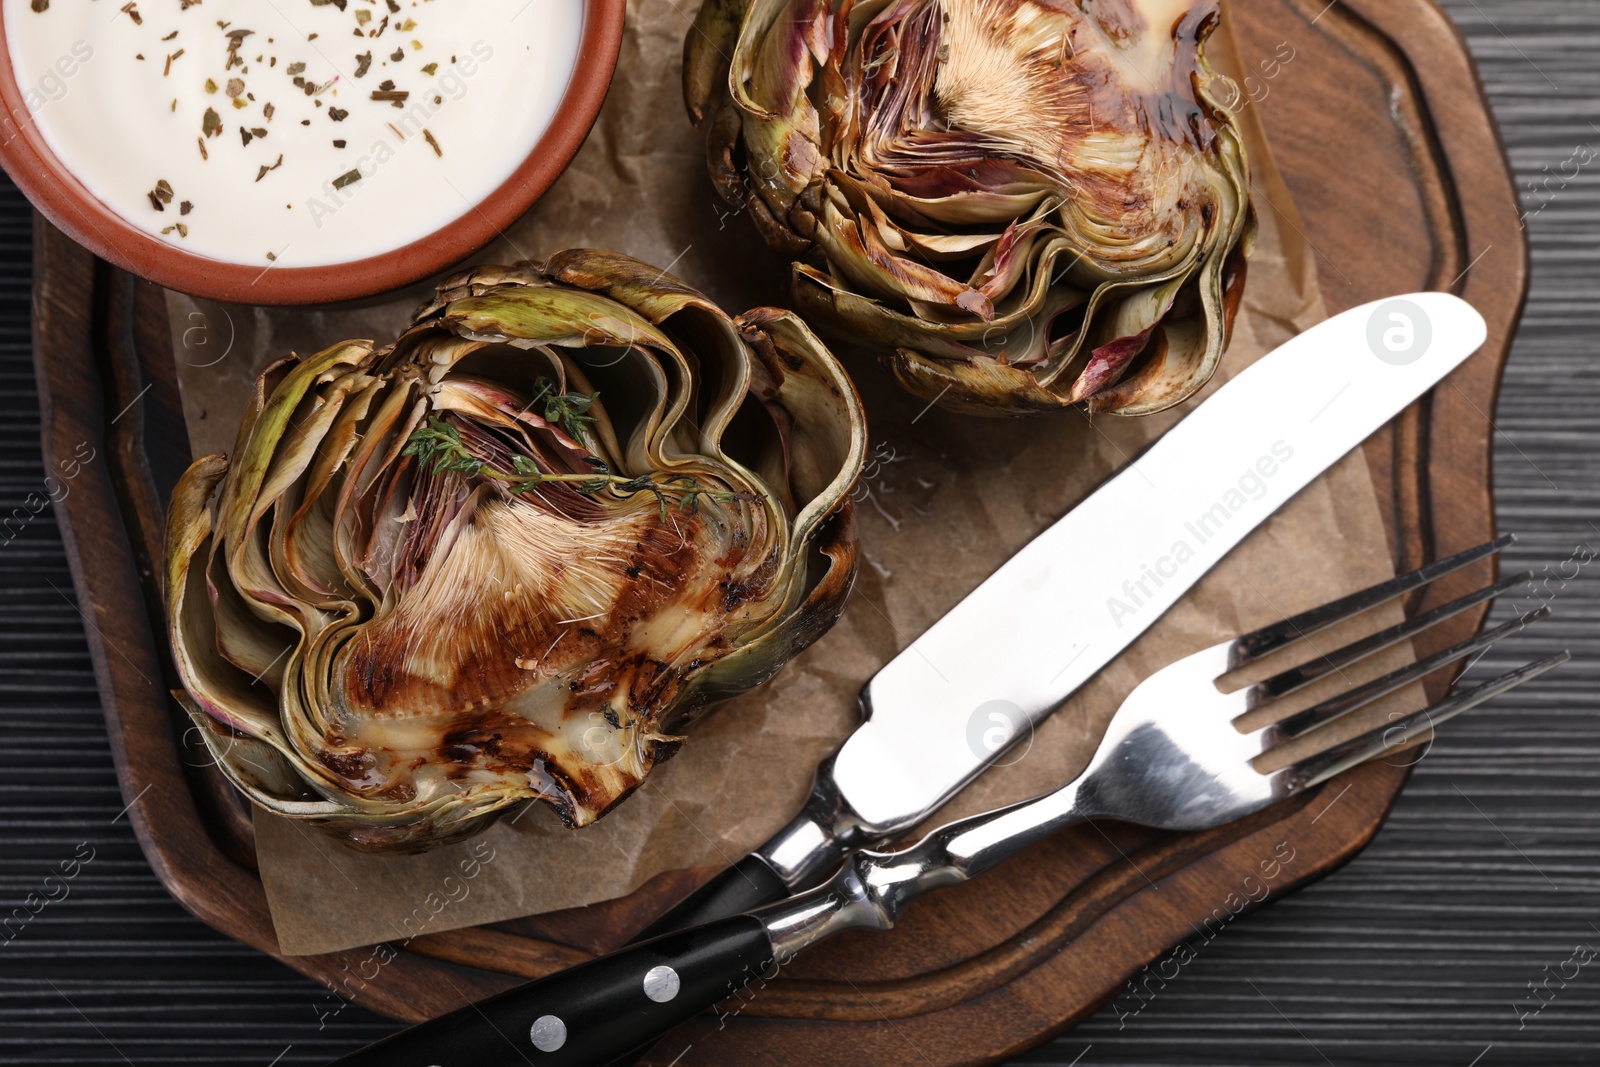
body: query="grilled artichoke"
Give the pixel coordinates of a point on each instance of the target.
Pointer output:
(1022, 204)
(511, 555)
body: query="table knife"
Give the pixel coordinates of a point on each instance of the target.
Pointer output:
(1016, 648)
(1063, 607)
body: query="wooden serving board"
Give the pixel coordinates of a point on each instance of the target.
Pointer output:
(1381, 129)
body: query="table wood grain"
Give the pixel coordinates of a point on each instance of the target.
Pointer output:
(1485, 881)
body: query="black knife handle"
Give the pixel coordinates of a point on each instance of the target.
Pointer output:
(746, 886)
(590, 1013)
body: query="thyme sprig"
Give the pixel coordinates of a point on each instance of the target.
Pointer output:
(570, 411)
(438, 447)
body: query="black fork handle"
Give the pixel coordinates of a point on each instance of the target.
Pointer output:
(747, 885)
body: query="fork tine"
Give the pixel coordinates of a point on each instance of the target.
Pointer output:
(1268, 639)
(1335, 707)
(1299, 677)
(1315, 770)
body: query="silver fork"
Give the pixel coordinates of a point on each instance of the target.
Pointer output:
(1172, 758)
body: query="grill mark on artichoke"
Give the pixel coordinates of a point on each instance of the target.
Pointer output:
(471, 629)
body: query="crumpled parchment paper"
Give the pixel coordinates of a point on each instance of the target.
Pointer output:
(945, 500)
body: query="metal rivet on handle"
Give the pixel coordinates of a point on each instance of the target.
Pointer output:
(548, 1033)
(661, 984)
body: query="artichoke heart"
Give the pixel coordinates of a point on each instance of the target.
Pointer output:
(510, 556)
(1021, 205)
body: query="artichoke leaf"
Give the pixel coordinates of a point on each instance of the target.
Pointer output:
(220, 688)
(712, 39)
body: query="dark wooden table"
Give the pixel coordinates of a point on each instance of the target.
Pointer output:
(1485, 882)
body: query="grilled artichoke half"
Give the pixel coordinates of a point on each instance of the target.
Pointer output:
(1024, 204)
(512, 554)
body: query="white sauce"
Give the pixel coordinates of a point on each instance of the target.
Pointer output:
(122, 124)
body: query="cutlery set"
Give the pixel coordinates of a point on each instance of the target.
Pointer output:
(1174, 756)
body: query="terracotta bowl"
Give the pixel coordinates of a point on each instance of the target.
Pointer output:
(64, 201)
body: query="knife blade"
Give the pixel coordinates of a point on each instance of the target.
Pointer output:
(1064, 606)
